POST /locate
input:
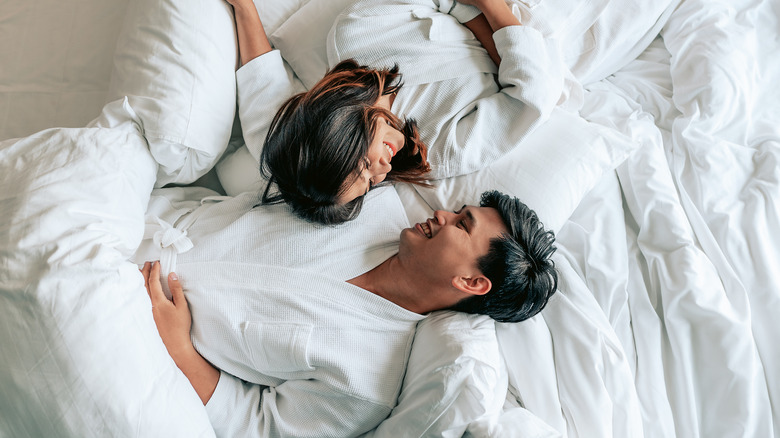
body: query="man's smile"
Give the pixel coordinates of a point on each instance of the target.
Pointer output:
(425, 229)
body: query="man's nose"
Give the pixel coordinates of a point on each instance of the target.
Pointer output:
(443, 217)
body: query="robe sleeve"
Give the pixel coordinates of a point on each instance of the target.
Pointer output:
(470, 113)
(462, 13)
(478, 132)
(295, 408)
(263, 85)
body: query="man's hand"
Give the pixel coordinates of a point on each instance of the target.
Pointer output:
(173, 320)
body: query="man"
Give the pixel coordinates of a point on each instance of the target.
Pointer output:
(323, 336)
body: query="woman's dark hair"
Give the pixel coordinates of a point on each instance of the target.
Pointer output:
(518, 264)
(318, 140)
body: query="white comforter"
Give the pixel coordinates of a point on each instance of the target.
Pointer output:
(664, 325)
(77, 334)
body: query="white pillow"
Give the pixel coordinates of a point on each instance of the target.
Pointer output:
(551, 171)
(176, 62)
(302, 39)
(455, 376)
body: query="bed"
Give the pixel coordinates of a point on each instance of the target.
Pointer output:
(663, 190)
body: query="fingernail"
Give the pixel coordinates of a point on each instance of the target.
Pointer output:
(173, 276)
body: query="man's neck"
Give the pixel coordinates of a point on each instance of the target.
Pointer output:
(390, 281)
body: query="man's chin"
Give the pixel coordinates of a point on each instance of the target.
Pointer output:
(408, 235)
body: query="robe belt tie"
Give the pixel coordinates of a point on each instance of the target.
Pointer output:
(170, 237)
(173, 240)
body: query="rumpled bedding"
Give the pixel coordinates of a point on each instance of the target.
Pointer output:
(665, 320)
(678, 250)
(75, 324)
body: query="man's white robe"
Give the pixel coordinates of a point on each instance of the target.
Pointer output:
(303, 352)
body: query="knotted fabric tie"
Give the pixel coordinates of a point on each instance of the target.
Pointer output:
(169, 237)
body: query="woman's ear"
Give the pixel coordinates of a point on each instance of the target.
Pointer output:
(477, 285)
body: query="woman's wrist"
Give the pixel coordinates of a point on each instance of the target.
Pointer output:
(203, 376)
(183, 354)
(242, 7)
(498, 14)
(252, 41)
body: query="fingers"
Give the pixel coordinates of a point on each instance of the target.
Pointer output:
(145, 272)
(151, 273)
(176, 290)
(155, 287)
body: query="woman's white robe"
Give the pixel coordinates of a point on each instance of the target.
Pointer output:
(470, 113)
(450, 88)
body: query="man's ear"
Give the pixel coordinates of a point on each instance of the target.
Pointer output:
(476, 285)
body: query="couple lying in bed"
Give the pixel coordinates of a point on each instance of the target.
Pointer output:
(298, 329)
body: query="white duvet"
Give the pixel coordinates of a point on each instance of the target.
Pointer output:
(77, 333)
(664, 325)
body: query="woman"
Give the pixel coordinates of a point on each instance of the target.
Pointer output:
(345, 138)
(326, 147)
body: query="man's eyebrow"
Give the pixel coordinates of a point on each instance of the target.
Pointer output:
(470, 217)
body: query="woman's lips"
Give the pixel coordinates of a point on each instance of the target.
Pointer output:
(391, 147)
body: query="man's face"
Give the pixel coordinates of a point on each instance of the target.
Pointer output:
(450, 243)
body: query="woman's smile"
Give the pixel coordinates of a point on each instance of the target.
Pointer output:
(391, 148)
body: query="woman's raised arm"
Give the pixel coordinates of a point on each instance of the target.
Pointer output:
(494, 16)
(497, 13)
(252, 41)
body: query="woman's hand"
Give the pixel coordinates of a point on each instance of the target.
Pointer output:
(172, 317)
(173, 320)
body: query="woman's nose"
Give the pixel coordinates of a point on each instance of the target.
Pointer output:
(400, 140)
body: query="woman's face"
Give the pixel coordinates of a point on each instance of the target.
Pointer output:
(386, 143)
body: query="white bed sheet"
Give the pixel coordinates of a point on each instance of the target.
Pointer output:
(665, 324)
